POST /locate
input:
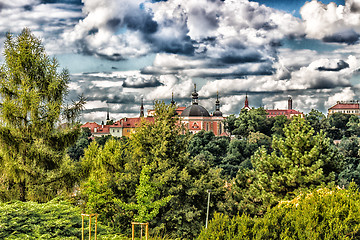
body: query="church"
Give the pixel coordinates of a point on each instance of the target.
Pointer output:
(196, 118)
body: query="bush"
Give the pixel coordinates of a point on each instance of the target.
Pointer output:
(53, 220)
(322, 214)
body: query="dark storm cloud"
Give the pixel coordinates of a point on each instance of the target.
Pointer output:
(340, 65)
(324, 83)
(233, 58)
(355, 7)
(76, 2)
(349, 37)
(119, 98)
(142, 22)
(139, 82)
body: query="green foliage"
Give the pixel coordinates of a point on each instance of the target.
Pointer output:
(213, 148)
(253, 120)
(322, 214)
(76, 151)
(349, 149)
(316, 119)
(301, 160)
(229, 124)
(32, 149)
(162, 147)
(52, 220)
(279, 124)
(336, 125)
(147, 208)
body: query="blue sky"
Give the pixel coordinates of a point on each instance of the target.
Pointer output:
(120, 51)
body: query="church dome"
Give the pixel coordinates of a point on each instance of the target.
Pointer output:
(195, 111)
(217, 113)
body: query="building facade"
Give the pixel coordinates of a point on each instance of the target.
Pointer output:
(197, 118)
(349, 107)
(289, 112)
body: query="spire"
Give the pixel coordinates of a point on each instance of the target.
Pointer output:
(172, 99)
(195, 96)
(217, 112)
(246, 102)
(289, 103)
(142, 108)
(108, 114)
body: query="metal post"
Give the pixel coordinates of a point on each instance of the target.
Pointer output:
(90, 228)
(147, 231)
(96, 227)
(208, 206)
(82, 216)
(133, 231)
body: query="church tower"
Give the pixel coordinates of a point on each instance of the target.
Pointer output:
(246, 106)
(217, 112)
(289, 103)
(142, 108)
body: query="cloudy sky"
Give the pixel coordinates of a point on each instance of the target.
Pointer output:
(119, 51)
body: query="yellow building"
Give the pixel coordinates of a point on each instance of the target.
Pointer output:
(351, 107)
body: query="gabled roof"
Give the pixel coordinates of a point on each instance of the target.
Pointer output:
(134, 122)
(345, 106)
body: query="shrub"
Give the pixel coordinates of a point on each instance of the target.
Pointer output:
(53, 220)
(322, 214)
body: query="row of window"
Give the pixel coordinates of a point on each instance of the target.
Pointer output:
(346, 111)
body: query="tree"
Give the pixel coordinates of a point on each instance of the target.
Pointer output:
(161, 146)
(147, 207)
(212, 147)
(253, 120)
(336, 125)
(229, 123)
(316, 119)
(279, 124)
(32, 146)
(76, 151)
(300, 161)
(349, 149)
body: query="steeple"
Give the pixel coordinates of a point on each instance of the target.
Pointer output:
(217, 106)
(142, 108)
(108, 114)
(195, 96)
(172, 99)
(246, 102)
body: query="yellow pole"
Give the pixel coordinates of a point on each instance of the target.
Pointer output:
(133, 231)
(90, 228)
(95, 226)
(82, 229)
(147, 231)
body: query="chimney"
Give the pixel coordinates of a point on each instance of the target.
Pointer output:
(289, 103)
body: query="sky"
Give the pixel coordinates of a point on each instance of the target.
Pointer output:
(120, 51)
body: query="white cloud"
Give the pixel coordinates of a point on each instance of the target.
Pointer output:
(339, 23)
(345, 94)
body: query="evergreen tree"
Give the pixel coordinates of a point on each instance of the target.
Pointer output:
(32, 146)
(300, 161)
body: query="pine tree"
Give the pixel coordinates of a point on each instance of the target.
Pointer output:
(32, 146)
(300, 161)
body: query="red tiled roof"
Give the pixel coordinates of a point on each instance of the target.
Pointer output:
(100, 129)
(282, 111)
(179, 110)
(134, 122)
(345, 106)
